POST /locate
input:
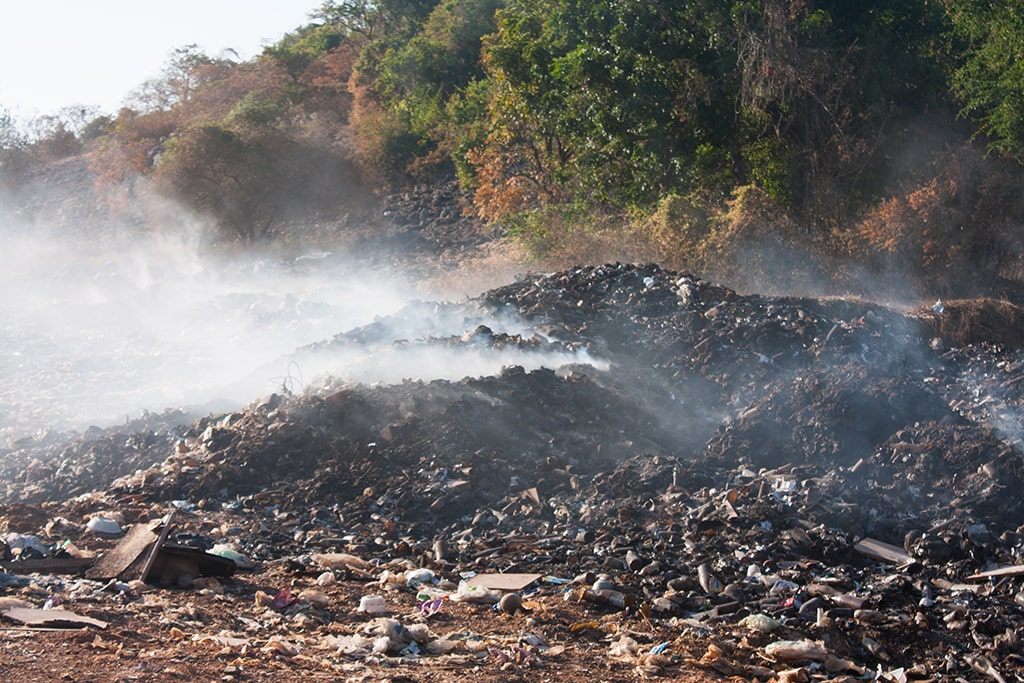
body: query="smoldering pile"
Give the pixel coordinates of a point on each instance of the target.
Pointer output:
(686, 371)
(700, 426)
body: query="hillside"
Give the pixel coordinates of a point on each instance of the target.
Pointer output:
(840, 148)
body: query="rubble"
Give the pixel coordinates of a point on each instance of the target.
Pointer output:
(722, 485)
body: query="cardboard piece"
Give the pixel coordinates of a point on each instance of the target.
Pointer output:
(503, 582)
(883, 551)
(51, 618)
(113, 564)
(531, 494)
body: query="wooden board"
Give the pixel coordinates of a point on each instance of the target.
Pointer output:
(161, 539)
(1011, 570)
(503, 582)
(58, 565)
(883, 551)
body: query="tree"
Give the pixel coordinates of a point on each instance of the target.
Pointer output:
(133, 143)
(422, 81)
(407, 91)
(301, 48)
(53, 140)
(353, 17)
(11, 135)
(375, 24)
(987, 75)
(216, 97)
(221, 175)
(186, 70)
(443, 56)
(13, 158)
(605, 103)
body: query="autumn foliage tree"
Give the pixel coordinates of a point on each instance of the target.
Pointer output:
(221, 175)
(955, 229)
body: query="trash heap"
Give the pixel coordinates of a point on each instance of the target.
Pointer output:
(717, 485)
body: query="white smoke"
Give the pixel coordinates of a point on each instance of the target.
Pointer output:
(96, 331)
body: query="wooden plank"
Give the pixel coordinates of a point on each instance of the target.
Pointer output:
(161, 539)
(51, 618)
(1010, 570)
(57, 565)
(503, 582)
(883, 551)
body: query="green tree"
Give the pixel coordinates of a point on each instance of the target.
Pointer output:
(602, 102)
(301, 48)
(444, 55)
(392, 20)
(987, 73)
(408, 90)
(421, 81)
(221, 175)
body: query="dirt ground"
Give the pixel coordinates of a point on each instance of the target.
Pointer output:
(172, 634)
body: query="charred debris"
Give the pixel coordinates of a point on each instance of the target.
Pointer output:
(839, 481)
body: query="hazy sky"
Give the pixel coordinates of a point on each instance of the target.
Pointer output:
(94, 52)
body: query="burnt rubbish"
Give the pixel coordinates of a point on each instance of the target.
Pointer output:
(836, 479)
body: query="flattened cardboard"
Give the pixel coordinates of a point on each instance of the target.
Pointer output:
(51, 618)
(503, 582)
(113, 563)
(531, 494)
(142, 551)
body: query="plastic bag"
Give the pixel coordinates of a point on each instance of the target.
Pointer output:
(468, 593)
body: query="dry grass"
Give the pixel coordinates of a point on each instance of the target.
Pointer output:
(975, 321)
(488, 266)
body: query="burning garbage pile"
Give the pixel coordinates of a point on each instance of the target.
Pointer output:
(693, 482)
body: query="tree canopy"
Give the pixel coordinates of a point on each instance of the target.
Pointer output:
(988, 69)
(596, 107)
